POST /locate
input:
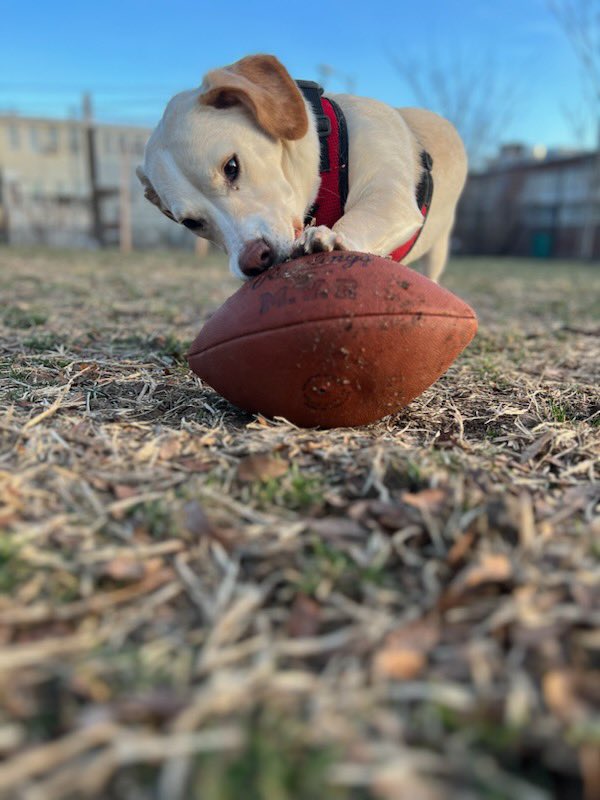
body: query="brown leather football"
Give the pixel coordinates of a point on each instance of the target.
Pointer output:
(332, 339)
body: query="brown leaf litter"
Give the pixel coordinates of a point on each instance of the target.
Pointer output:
(198, 602)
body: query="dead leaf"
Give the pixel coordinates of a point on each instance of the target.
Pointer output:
(89, 685)
(589, 762)
(391, 516)
(305, 617)
(337, 527)
(490, 568)
(403, 780)
(565, 694)
(405, 650)
(170, 448)
(122, 491)
(99, 484)
(358, 510)
(426, 499)
(123, 569)
(261, 467)
(196, 464)
(536, 447)
(157, 705)
(399, 664)
(423, 634)
(461, 547)
(195, 520)
(153, 565)
(7, 516)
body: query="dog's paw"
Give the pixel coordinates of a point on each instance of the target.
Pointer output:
(319, 239)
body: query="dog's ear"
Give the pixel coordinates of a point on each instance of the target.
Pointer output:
(263, 86)
(149, 192)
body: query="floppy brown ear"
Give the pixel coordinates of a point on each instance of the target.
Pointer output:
(263, 86)
(149, 192)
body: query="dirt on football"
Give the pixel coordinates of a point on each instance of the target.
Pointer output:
(200, 603)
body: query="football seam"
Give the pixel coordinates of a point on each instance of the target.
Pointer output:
(350, 317)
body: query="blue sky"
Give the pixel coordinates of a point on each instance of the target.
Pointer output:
(134, 54)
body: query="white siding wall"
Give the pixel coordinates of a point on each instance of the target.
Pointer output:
(44, 164)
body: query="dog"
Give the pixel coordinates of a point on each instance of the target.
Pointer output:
(237, 161)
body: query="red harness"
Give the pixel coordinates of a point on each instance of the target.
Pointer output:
(331, 199)
(328, 208)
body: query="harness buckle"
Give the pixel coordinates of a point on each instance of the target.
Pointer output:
(323, 125)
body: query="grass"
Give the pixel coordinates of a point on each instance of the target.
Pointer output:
(295, 491)
(198, 603)
(19, 317)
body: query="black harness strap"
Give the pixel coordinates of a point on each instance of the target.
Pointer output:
(313, 93)
(343, 153)
(333, 145)
(425, 187)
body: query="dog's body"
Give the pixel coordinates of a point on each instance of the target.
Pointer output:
(237, 161)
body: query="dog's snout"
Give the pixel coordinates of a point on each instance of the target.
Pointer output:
(256, 257)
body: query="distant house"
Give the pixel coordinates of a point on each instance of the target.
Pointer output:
(45, 193)
(530, 204)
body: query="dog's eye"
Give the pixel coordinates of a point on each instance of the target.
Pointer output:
(194, 224)
(231, 169)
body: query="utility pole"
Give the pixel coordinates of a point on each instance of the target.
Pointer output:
(4, 221)
(591, 219)
(125, 230)
(90, 132)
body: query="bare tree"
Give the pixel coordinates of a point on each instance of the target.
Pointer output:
(475, 97)
(327, 72)
(580, 22)
(579, 119)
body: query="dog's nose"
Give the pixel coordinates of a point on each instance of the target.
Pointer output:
(256, 257)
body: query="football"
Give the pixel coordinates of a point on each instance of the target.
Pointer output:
(331, 339)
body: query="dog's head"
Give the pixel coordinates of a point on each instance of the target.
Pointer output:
(236, 161)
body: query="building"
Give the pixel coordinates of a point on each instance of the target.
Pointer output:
(532, 203)
(46, 192)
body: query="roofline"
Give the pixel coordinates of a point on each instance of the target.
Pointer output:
(4, 117)
(530, 166)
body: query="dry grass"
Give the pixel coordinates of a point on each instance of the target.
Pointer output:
(195, 603)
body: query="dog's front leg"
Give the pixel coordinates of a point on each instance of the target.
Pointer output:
(371, 224)
(380, 220)
(320, 239)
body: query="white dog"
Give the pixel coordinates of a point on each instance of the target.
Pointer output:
(238, 162)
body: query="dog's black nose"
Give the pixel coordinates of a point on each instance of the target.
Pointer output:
(256, 257)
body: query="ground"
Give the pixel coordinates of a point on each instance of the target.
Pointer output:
(197, 603)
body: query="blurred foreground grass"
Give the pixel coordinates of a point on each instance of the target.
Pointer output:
(197, 603)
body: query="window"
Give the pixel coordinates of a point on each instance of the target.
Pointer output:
(34, 139)
(52, 139)
(74, 140)
(108, 142)
(14, 137)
